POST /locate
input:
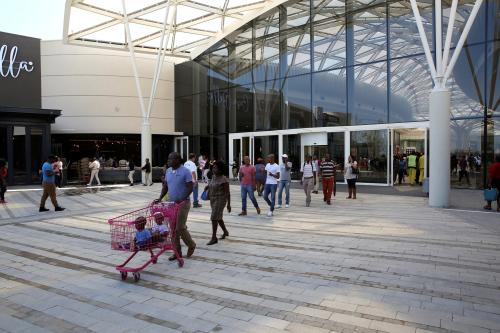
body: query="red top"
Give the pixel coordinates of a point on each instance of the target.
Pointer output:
(494, 171)
(247, 174)
(3, 172)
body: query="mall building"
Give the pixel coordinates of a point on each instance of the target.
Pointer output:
(250, 77)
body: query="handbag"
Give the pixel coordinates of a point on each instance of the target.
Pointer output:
(204, 195)
(490, 194)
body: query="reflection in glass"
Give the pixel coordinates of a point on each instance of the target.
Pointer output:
(329, 98)
(218, 73)
(368, 94)
(265, 145)
(268, 99)
(410, 86)
(329, 44)
(493, 77)
(297, 102)
(240, 63)
(403, 34)
(370, 34)
(241, 109)
(291, 147)
(370, 151)
(477, 32)
(298, 50)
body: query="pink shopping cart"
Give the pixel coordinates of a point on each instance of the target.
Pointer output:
(145, 229)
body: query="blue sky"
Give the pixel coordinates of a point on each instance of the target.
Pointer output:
(35, 18)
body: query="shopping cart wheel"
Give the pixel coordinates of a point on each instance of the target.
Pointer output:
(137, 276)
(124, 275)
(154, 260)
(180, 262)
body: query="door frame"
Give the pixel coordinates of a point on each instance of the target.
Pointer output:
(179, 144)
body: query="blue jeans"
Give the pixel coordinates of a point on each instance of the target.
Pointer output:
(284, 184)
(270, 188)
(247, 189)
(195, 193)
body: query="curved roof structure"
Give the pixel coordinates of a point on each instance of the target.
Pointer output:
(192, 25)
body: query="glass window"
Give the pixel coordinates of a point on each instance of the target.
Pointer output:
(297, 102)
(329, 44)
(267, 58)
(191, 77)
(218, 100)
(218, 72)
(298, 50)
(326, 9)
(268, 99)
(493, 12)
(369, 148)
(493, 78)
(36, 152)
(466, 148)
(240, 63)
(411, 85)
(370, 35)
(242, 109)
(297, 14)
(329, 98)
(265, 145)
(466, 83)
(368, 94)
(404, 38)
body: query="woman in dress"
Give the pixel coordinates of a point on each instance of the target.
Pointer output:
(218, 192)
(351, 174)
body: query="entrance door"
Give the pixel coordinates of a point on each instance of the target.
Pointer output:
(182, 146)
(406, 141)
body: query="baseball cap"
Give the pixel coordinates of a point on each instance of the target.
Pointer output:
(284, 155)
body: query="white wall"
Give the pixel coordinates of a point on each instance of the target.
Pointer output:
(95, 89)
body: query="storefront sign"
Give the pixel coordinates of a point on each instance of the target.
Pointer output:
(9, 64)
(20, 76)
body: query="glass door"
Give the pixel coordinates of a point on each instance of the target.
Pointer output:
(404, 143)
(182, 147)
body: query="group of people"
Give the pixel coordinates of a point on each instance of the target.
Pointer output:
(411, 165)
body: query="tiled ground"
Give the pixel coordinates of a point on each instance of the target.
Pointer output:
(381, 263)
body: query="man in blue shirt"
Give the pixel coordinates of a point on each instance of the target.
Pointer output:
(179, 184)
(49, 185)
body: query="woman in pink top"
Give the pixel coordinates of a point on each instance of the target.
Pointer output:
(247, 184)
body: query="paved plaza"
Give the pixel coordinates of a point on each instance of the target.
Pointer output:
(381, 263)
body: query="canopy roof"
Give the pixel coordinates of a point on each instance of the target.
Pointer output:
(192, 26)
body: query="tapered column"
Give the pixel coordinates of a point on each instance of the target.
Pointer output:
(439, 157)
(146, 145)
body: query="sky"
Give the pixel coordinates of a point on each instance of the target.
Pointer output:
(35, 18)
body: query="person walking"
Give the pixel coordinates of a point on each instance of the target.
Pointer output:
(494, 181)
(285, 181)
(327, 170)
(421, 168)
(205, 165)
(3, 181)
(308, 180)
(412, 167)
(260, 176)
(179, 185)
(147, 173)
(401, 169)
(94, 167)
(219, 194)
(131, 171)
(273, 174)
(351, 172)
(191, 166)
(57, 167)
(234, 169)
(49, 186)
(247, 185)
(316, 163)
(464, 168)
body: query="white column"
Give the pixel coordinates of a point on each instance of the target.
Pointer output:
(146, 143)
(439, 155)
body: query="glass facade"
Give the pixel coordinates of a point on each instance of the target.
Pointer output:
(314, 63)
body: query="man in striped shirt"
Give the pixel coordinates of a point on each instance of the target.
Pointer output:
(327, 170)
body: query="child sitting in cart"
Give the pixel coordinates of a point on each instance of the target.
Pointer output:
(159, 230)
(142, 236)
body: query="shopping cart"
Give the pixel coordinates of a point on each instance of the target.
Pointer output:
(124, 230)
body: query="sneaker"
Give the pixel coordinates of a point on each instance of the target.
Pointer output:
(43, 209)
(88, 184)
(196, 206)
(131, 184)
(278, 206)
(287, 206)
(269, 213)
(173, 257)
(328, 202)
(59, 209)
(242, 213)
